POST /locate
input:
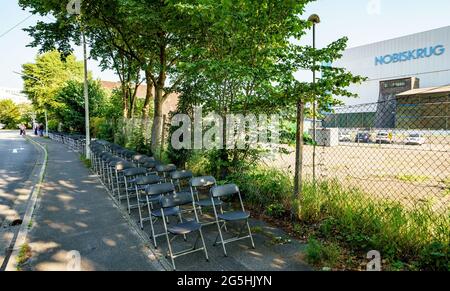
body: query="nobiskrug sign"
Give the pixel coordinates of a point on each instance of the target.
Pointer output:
(410, 55)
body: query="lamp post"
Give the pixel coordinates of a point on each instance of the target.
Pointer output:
(314, 19)
(74, 8)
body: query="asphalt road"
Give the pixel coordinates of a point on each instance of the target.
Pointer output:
(17, 160)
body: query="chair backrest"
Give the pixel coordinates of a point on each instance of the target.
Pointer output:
(139, 158)
(174, 200)
(206, 181)
(181, 175)
(114, 161)
(124, 165)
(226, 190)
(160, 189)
(148, 180)
(134, 172)
(166, 168)
(149, 164)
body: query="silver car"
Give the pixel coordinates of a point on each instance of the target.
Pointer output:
(415, 139)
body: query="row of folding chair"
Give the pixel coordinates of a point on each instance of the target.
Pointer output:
(161, 193)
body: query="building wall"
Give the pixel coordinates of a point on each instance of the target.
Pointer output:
(432, 71)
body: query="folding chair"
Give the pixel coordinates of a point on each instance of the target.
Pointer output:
(130, 176)
(230, 216)
(150, 165)
(119, 178)
(142, 201)
(183, 228)
(140, 159)
(178, 178)
(204, 182)
(155, 192)
(165, 170)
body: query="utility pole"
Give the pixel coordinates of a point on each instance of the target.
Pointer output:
(86, 99)
(74, 8)
(315, 19)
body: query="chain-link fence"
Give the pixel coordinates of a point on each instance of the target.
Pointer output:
(394, 152)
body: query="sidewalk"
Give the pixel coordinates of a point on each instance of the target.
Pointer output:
(76, 214)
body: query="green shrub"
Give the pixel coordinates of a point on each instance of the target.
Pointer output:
(266, 188)
(324, 254)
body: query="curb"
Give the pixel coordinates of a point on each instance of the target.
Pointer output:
(24, 228)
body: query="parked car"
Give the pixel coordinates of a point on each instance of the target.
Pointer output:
(415, 139)
(363, 137)
(344, 137)
(2, 126)
(384, 137)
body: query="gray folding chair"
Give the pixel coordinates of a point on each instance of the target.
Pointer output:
(201, 203)
(231, 216)
(144, 200)
(165, 170)
(119, 178)
(183, 228)
(130, 176)
(180, 179)
(158, 191)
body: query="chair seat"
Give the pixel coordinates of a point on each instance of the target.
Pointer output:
(153, 199)
(184, 228)
(140, 188)
(208, 202)
(174, 211)
(234, 216)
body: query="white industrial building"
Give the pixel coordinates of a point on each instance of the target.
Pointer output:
(425, 56)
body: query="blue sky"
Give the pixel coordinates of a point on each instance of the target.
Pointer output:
(363, 21)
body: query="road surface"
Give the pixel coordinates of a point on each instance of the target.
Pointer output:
(17, 162)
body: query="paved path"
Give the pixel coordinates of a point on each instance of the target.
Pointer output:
(76, 214)
(17, 162)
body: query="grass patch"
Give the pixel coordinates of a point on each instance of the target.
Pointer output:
(87, 162)
(273, 239)
(413, 239)
(412, 178)
(323, 254)
(24, 256)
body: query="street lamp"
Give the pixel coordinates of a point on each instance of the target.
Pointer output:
(45, 109)
(74, 8)
(314, 19)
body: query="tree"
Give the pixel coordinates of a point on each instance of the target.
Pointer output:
(44, 78)
(9, 114)
(70, 99)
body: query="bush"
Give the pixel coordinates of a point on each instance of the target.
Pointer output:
(324, 254)
(268, 189)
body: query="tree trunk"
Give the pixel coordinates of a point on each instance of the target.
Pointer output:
(148, 96)
(157, 120)
(298, 183)
(125, 100)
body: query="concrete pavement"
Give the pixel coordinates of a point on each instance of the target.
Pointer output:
(18, 161)
(76, 214)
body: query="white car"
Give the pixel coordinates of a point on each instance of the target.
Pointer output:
(2, 126)
(344, 137)
(384, 137)
(415, 139)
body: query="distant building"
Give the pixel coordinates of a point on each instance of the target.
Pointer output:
(170, 105)
(15, 95)
(408, 84)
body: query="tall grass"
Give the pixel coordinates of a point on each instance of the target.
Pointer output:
(352, 217)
